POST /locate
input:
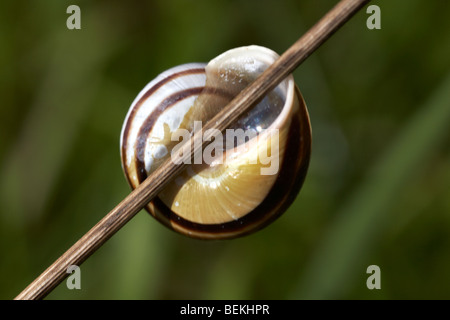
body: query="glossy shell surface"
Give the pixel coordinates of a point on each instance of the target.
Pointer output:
(235, 196)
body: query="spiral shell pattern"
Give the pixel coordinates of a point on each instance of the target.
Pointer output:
(230, 198)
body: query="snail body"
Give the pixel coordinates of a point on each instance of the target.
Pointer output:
(248, 175)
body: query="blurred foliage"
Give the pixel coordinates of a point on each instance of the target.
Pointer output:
(377, 191)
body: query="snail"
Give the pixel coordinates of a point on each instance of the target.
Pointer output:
(255, 169)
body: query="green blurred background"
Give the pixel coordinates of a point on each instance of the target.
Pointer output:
(377, 191)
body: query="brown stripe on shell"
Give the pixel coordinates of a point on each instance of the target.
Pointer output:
(144, 97)
(149, 122)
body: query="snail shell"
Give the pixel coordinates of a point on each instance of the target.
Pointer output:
(219, 199)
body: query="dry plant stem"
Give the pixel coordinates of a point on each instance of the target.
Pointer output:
(137, 199)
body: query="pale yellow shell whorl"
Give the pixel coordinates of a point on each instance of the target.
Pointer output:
(249, 182)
